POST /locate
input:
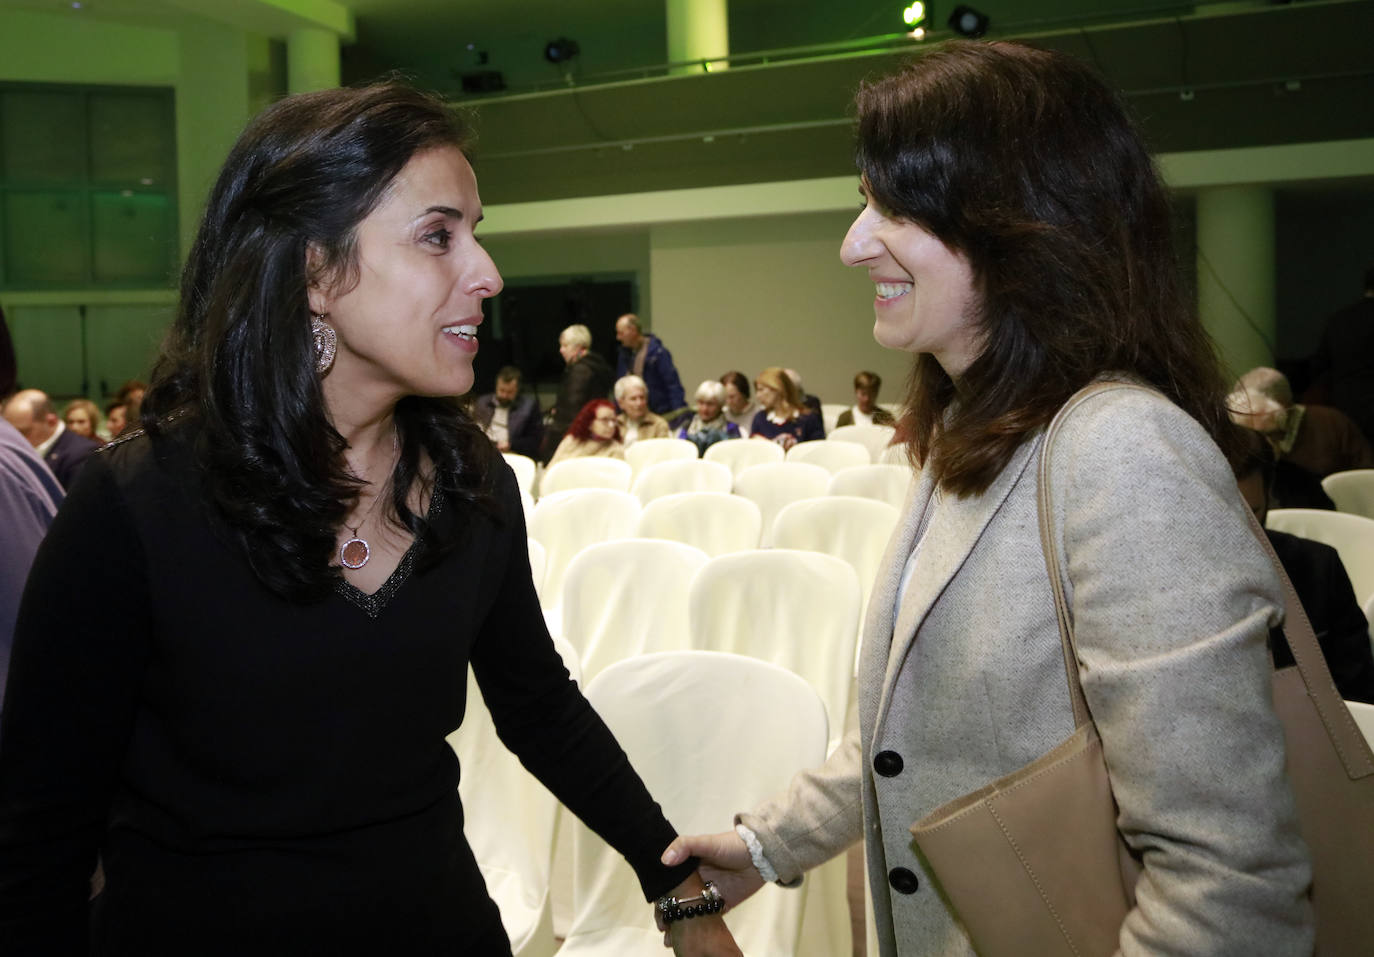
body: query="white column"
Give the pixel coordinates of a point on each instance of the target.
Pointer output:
(312, 60)
(1235, 273)
(698, 30)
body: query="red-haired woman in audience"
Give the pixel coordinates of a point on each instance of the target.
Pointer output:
(1018, 238)
(594, 431)
(782, 419)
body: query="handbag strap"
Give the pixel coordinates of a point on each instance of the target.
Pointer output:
(1345, 735)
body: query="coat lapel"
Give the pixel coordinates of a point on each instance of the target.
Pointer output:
(955, 528)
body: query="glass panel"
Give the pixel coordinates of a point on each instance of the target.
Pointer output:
(121, 343)
(132, 236)
(47, 347)
(131, 139)
(46, 238)
(44, 137)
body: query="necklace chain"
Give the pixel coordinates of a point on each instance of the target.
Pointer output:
(354, 553)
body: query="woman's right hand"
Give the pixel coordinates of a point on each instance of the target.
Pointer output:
(724, 860)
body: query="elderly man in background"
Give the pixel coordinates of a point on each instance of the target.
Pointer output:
(586, 376)
(511, 420)
(643, 354)
(31, 412)
(1316, 438)
(29, 496)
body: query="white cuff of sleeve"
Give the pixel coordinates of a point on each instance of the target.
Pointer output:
(751, 840)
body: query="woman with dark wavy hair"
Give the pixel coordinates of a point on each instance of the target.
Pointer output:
(246, 717)
(1017, 235)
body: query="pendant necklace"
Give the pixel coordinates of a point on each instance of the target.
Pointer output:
(354, 553)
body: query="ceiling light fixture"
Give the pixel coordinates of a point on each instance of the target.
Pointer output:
(968, 22)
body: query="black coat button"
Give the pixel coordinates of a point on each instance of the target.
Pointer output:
(888, 763)
(903, 881)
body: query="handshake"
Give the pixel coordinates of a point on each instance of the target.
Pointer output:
(725, 876)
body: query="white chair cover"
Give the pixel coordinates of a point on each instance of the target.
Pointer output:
(539, 560)
(1364, 718)
(524, 468)
(831, 456)
(640, 455)
(764, 725)
(527, 505)
(773, 486)
(686, 475)
(875, 438)
(794, 608)
(740, 454)
(1352, 491)
(713, 522)
(509, 823)
(854, 529)
(884, 483)
(591, 471)
(627, 597)
(799, 610)
(1351, 535)
(567, 522)
(830, 414)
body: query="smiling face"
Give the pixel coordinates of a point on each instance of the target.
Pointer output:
(766, 395)
(409, 324)
(634, 402)
(603, 425)
(925, 291)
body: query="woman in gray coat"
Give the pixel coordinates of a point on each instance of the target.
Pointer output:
(1018, 238)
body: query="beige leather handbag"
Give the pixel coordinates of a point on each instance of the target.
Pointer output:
(1033, 863)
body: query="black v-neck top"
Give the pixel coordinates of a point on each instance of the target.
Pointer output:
(264, 776)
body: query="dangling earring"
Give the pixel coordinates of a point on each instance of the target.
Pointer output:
(326, 342)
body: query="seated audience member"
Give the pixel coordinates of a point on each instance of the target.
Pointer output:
(31, 412)
(586, 376)
(1317, 438)
(595, 431)
(865, 410)
(809, 402)
(131, 393)
(709, 425)
(739, 408)
(82, 416)
(116, 418)
(782, 418)
(636, 421)
(29, 496)
(511, 420)
(1321, 582)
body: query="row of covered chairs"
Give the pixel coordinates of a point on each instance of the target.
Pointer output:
(645, 701)
(848, 446)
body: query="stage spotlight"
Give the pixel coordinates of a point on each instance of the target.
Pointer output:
(561, 50)
(914, 16)
(968, 22)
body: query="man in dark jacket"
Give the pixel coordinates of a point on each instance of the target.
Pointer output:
(510, 419)
(586, 376)
(31, 412)
(643, 354)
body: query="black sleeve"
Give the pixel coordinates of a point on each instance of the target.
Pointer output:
(543, 718)
(80, 648)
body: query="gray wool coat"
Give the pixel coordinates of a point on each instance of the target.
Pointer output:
(1171, 598)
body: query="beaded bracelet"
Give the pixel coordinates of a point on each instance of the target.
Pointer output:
(709, 901)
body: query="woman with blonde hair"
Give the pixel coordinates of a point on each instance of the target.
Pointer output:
(782, 419)
(82, 416)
